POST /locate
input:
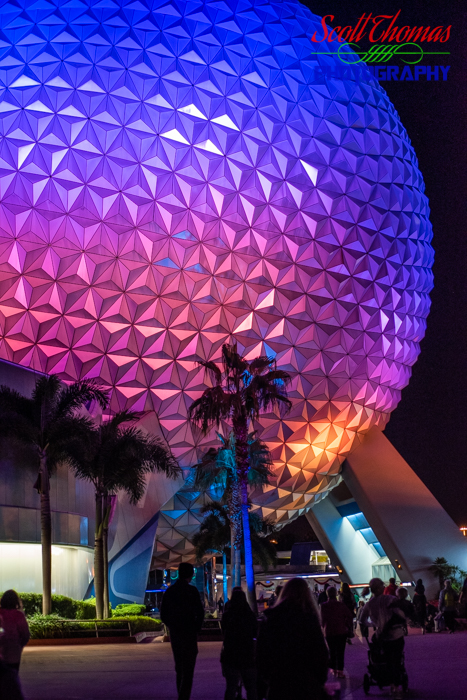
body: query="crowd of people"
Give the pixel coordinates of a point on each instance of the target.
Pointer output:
(286, 653)
(301, 636)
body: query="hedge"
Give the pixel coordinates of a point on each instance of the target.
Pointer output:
(62, 606)
(55, 627)
(125, 609)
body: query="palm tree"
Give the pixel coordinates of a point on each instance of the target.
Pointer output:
(442, 570)
(241, 391)
(43, 427)
(218, 469)
(264, 551)
(214, 536)
(116, 458)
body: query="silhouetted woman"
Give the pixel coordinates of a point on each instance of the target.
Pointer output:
(419, 604)
(346, 596)
(238, 661)
(14, 637)
(292, 653)
(337, 623)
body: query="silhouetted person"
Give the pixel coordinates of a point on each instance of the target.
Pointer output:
(347, 597)
(337, 621)
(292, 655)
(419, 604)
(405, 605)
(447, 605)
(13, 639)
(323, 596)
(275, 596)
(389, 622)
(182, 612)
(239, 626)
(391, 588)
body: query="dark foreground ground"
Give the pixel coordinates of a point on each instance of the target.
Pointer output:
(436, 664)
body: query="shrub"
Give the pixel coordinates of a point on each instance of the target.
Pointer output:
(32, 603)
(140, 623)
(86, 609)
(125, 609)
(64, 607)
(55, 627)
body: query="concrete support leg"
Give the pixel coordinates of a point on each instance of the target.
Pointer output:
(345, 547)
(408, 521)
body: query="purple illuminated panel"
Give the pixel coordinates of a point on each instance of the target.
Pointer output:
(177, 177)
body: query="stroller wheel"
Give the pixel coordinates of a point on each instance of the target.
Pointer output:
(366, 683)
(405, 682)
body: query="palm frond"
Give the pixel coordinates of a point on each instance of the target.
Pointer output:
(46, 395)
(261, 465)
(265, 391)
(160, 457)
(213, 370)
(214, 532)
(218, 508)
(80, 393)
(233, 362)
(210, 408)
(123, 417)
(208, 472)
(264, 552)
(71, 440)
(261, 364)
(16, 427)
(12, 402)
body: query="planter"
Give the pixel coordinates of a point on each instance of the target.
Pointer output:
(78, 641)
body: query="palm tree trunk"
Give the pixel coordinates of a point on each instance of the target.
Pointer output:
(46, 535)
(236, 522)
(99, 558)
(238, 567)
(225, 590)
(249, 571)
(240, 426)
(105, 557)
(105, 574)
(214, 582)
(232, 558)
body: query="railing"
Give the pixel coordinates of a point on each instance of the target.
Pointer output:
(124, 631)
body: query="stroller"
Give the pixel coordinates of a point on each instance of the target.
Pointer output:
(379, 670)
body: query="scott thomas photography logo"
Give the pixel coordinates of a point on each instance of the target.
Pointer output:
(391, 49)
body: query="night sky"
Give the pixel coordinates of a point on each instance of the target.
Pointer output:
(429, 427)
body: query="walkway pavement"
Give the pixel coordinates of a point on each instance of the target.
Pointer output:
(436, 664)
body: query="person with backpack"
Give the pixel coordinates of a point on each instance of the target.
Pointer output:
(447, 605)
(383, 613)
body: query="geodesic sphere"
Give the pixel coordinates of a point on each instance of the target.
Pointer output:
(177, 177)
